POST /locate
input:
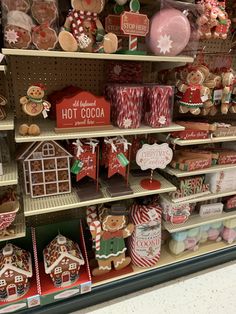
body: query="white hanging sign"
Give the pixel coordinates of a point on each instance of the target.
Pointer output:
(154, 156)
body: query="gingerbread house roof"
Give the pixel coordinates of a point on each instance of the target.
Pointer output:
(58, 249)
(27, 153)
(15, 259)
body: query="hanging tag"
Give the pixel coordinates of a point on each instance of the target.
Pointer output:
(76, 167)
(152, 214)
(204, 98)
(122, 160)
(45, 113)
(228, 98)
(217, 94)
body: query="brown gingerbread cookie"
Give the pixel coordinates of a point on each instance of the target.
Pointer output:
(33, 104)
(17, 32)
(44, 11)
(44, 37)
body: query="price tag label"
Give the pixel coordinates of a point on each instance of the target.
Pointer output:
(204, 98)
(152, 214)
(217, 94)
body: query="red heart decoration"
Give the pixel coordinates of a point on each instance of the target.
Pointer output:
(88, 2)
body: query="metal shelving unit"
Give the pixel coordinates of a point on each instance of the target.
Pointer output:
(217, 168)
(8, 123)
(10, 175)
(168, 268)
(196, 221)
(96, 56)
(48, 133)
(56, 203)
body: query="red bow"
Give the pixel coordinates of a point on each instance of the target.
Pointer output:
(107, 235)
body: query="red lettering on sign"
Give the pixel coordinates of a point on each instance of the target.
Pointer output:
(134, 24)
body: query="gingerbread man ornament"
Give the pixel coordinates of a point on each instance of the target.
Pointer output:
(33, 105)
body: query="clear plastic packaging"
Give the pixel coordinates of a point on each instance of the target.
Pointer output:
(30, 24)
(229, 230)
(158, 105)
(126, 105)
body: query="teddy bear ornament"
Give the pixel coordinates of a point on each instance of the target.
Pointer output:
(33, 105)
(83, 30)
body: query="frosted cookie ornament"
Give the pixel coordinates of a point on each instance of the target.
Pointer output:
(83, 30)
(44, 11)
(17, 31)
(33, 105)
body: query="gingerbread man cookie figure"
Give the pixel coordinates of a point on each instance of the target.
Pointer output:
(109, 232)
(83, 30)
(33, 105)
(228, 80)
(194, 94)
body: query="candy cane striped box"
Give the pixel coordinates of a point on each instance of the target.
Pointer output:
(145, 242)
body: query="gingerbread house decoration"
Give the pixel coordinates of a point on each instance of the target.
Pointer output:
(46, 169)
(62, 260)
(15, 271)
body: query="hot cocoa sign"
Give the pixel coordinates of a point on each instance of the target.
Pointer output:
(83, 110)
(154, 156)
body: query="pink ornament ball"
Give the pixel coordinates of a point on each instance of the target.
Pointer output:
(169, 32)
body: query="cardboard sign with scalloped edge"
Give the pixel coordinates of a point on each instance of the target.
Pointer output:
(83, 109)
(154, 156)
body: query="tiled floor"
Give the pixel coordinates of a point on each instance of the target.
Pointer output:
(209, 292)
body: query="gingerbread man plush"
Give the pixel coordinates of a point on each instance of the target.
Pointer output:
(83, 31)
(228, 80)
(109, 234)
(33, 105)
(194, 94)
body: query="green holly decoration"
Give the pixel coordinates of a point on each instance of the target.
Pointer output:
(118, 9)
(134, 5)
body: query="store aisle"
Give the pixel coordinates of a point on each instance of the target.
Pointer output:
(208, 292)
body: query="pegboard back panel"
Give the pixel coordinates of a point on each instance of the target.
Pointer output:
(57, 73)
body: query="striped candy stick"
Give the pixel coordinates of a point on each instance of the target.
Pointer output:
(133, 43)
(94, 225)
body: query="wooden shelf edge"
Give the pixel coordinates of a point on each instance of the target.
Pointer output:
(95, 56)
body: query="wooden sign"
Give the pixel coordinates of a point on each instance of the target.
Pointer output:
(82, 110)
(112, 25)
(211, 209)
(191, 134)
(154, 156)
(134, 24)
